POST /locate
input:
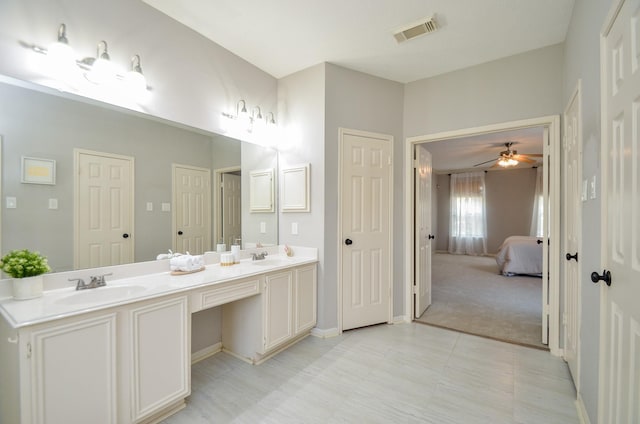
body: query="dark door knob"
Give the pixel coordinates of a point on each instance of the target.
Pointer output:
(125, 235)
(570, 256)
(180, 232)
(606, 277)
(348, 242)
(431, 236)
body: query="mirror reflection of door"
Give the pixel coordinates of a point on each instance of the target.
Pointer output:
(230, 215)
(103, 209)
(191, 209)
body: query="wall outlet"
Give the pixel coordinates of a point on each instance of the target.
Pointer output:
(263, 227)
(53, 203)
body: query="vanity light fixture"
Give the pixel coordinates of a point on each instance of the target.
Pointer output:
(60, 54)
(100, 70)
(135, 79)
(257, 121)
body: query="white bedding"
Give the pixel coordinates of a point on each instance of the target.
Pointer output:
(520, 255)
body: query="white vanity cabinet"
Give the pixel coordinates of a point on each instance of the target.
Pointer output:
(64, 372)
(256, 327)
(128, 364)
(155, 357)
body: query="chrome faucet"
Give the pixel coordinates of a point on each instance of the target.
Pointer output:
(259, 256)
(94, 282)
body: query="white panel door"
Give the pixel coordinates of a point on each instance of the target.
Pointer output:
(231, 202)
(104, 209)
(191, 209)
(366, 228)
(572, 232)
(619, 381)
(423, 236)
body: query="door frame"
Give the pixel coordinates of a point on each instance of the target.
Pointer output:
(217, 200)
(552, 124)
(339, 245)
(576, 96)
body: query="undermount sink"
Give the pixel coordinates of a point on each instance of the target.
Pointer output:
(100, 294)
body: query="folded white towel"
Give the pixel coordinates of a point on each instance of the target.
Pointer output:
(186, 263)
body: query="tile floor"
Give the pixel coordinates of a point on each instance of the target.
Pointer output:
(408, 373)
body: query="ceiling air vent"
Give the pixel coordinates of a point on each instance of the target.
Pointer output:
(426, 26)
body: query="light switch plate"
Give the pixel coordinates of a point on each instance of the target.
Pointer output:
(149, 206)
(294, 228)
(263, 227)
(592, 188)
(12, 202)
(53, 203)
(166, 207)
(585, 185)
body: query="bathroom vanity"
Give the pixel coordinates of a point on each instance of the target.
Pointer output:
(122, 353)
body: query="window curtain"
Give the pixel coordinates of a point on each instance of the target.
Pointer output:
(468, 223)
(537, 215)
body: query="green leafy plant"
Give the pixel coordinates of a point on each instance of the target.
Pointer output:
(24, 263)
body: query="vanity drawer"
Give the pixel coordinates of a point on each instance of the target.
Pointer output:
(225, 293)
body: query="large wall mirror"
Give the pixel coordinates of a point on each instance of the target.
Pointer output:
(37, 124)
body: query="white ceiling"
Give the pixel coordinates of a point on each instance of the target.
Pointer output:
(285, 36)
(282, 37)
(465, 153)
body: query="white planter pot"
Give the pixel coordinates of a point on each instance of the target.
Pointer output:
(28, 288)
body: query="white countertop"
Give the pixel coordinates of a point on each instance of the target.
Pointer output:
(66, 302)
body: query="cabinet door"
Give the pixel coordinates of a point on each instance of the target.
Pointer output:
(305, 299)
(73, 372)
(160, 355)
(278, 309)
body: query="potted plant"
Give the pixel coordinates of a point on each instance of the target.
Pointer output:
(26, 268)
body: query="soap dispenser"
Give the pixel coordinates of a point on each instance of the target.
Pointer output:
(235, 250)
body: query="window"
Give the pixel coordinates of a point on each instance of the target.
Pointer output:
(467, 223)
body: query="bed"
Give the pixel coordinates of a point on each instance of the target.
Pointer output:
(520, 255)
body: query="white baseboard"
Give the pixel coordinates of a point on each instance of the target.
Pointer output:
(401, 319)
(324, 333)
(206, 352)
(582, 412)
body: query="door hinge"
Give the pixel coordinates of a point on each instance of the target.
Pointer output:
(415, 164)
(545, 309)
(29, 350)
(415, 289)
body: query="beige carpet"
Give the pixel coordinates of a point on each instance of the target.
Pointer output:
(469, 295)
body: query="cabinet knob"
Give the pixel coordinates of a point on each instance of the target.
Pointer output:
(606, 277)
(348, 242)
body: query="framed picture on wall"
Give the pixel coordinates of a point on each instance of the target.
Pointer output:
(38, 171)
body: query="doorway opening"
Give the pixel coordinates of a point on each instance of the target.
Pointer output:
(548, 132)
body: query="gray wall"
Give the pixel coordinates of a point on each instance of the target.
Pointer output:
(523, 86)
(509, 196)
(363, 102)
(301, 110)
(582, 61)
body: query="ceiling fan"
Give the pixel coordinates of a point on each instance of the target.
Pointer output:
(508, 158)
